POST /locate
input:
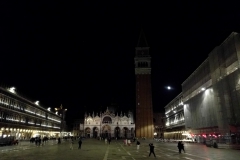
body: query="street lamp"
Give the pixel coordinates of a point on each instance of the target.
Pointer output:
(61, 112)
(12, 89)
(37, 102)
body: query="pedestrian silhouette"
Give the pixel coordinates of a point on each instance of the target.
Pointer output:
(151, 150)
(59, 140)
(71, 143)
(109, 140)
(180, 147)
(79, 143)
(138, 145)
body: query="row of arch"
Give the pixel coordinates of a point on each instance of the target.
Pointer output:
(18, 118)
(106, 119)
(143, 64)
(175, 119)
(13, 104)
(106, 131)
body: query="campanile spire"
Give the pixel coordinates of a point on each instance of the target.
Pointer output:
(144, 111)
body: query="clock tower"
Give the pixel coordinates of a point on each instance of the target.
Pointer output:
(144, 110)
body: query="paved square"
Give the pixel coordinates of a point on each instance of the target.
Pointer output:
(93, 149)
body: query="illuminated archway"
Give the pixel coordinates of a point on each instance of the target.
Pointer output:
(106, 131)
(117, 132)
(95, 132)
(125, 132)
(87, 132)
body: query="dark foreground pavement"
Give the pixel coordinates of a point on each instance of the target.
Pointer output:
(97, 150)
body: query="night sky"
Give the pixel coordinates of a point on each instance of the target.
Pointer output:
(81, 54)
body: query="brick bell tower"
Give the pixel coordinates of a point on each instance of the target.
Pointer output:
(144, 111)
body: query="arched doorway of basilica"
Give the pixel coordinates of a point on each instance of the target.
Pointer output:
(106, 131)
(125, 132)
(95, 132)
(117, 132)
(87, 132)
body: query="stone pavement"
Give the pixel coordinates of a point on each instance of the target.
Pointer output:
(97, 150)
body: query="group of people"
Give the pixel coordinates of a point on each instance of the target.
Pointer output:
(108, 140)
(79, 143)
(38, 141)
(180, 147)
(151, 146)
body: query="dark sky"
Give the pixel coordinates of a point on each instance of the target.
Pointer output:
(82, 53)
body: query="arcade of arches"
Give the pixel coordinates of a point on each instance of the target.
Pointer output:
(108, 124)
(107, 131)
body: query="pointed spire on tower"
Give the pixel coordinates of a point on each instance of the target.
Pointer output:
(142, 42)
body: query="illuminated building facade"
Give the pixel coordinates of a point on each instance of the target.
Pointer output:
(23, 119)
(109, 124)
(144, 110)
(174, 119)
(211, 95)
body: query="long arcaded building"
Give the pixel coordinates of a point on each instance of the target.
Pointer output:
(210, 105)
(23, 119)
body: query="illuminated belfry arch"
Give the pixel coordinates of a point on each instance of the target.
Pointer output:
(144, 111)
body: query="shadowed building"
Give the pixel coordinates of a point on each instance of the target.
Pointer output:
(207, 110)
(211, 95)
(144, 111)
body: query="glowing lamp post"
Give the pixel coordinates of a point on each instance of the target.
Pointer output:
(12, 89)
(61, 112)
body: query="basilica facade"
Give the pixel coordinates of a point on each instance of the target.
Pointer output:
(109, 124)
